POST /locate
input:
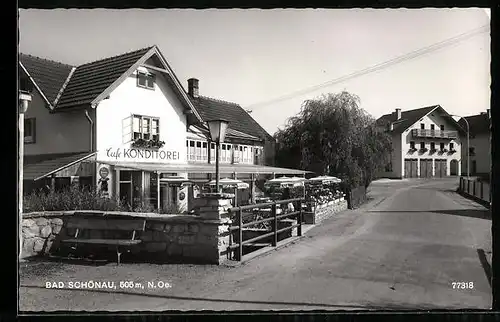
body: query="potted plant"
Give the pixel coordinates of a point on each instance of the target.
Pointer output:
(412, 150)
(423, 150)
(148, 144)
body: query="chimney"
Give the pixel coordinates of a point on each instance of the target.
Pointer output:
(193, 90)
(398, 114)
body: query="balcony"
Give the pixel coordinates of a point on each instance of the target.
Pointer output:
(434, 134)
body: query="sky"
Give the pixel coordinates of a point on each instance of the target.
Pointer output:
(253, 56)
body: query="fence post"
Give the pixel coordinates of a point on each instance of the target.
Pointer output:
(299, 219)
(240, 235)
(275, 226)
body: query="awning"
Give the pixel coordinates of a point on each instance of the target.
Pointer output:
(203, 168)
(53, 164)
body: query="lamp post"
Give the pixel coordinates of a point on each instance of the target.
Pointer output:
(24, 99)
(217, 129)
(468, 148)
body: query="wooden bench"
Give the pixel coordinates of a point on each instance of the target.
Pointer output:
(106, 224)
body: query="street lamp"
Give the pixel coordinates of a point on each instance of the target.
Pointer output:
(217, 129)
(468, 148)
(24, 99)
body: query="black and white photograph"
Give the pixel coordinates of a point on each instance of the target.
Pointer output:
(254, 160)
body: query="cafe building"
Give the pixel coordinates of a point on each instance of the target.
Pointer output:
(126, 125)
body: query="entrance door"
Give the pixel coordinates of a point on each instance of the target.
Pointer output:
(453, 167)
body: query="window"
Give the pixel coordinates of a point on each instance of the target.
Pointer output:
(145, 80)
(441, 146)
(197, 150)
(412, 145)
(451, 146)
(472, 151)
(433, 146)
(29, 130)
(422, 145)
(432, 126)
(145, 127)
(441, 127)
(422, 126)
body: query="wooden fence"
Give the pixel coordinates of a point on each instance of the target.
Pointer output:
(476, 189)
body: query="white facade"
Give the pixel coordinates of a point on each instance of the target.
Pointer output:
(449, 162)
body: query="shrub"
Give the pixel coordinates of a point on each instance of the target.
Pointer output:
(74, 198)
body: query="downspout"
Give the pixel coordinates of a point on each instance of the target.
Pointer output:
(91, 130)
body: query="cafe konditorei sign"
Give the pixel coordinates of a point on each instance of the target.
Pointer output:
(139, 154)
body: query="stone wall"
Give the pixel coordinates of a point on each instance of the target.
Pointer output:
(326, 211)
(202, 238)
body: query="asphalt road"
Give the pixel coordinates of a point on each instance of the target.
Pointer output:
(404, 250)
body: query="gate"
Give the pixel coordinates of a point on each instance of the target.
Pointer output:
(242, 218)
(411, 168)
(441, 168)
(425, 168)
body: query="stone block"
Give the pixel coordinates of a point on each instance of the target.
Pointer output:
(147, 236)
(56, 229)
(213, 215)
(45, 231)
(174, 250)
(39, 242)
(42, 221)
(56, 221)
(179, 228)
(28, 222)
(193, 228)
(186, 239)
(157, 226)
(28, 245)
(30, 232)
(155, 246)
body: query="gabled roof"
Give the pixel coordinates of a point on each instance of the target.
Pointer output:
(48, 75)
(478, 124)
(408, 118)
(239, 120)
(91, 79)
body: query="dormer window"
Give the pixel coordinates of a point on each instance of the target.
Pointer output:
(145, 79)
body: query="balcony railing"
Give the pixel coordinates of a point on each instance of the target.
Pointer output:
(426, 133)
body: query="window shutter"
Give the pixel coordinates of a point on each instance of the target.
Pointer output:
(127, 132)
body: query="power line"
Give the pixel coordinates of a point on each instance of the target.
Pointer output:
(391, 62)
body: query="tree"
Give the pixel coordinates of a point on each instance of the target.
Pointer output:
(332, 135)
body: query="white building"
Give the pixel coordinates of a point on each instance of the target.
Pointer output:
(479, 144)
(127, 125)
(426, 142)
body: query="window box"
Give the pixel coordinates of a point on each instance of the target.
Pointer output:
(444, 150)
(422, 150)
(433, 151)
(412, 150)
(452, 151)
(147, 144)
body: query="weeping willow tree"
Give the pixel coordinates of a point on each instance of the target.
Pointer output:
(332, 135)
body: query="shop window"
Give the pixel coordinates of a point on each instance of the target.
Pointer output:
(29, 130)
(145, 80)
(145, 127)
